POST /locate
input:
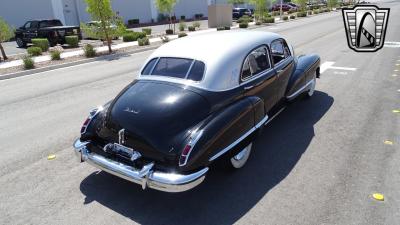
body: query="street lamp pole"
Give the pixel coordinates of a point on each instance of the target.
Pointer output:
(281, 11)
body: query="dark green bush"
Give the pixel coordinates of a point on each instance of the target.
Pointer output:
(315, 11)
(196, 24)
(55, 55)
(28, 62)
(42, 43)
(266, 14)
(72, 41)
(143, 41)
(89, 51)
(292, 16)
(147, 31)
(182, 26)
(169, 31)
(220, 28)
(269, 20)
(244, 19)
(198, 16)
(258, 23)
(227, 28)
(285, 17)
(34, 51)
(301, 14)
(130, 36)
(191, 28)
(275, 13)
(243, 25)
(133, 21)
(183, 17)
(182, 35)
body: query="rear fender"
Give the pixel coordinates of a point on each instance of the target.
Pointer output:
(223, 129)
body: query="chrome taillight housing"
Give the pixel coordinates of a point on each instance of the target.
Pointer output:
(89, 119)
(189, 147)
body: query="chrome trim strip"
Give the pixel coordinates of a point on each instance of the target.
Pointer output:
(154, 66)
(192, 143)
(292, 96)
(229, 147)
(276, 114)
(190, 68)
(146, 177)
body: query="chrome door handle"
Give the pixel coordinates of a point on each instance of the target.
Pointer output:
(279, 71)
(248, 87)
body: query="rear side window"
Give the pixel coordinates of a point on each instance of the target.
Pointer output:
(256, 62)
(50, 23)
(175, 67)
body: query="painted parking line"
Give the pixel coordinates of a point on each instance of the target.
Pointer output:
(329, 65)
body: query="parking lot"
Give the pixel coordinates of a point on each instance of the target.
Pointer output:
(318, 162)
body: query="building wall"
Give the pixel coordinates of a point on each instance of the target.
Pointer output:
(189, 8)
(17, 12)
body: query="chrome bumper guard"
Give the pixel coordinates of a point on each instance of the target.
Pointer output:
(168, 182)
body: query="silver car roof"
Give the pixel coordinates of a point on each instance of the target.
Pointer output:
(222, 52)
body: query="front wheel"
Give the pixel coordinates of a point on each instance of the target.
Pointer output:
(20, 42)
(240, 159)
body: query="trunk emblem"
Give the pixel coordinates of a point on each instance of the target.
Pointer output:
(121, 137)
(131, 110)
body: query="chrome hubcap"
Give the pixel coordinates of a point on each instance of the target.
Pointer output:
(240, 159)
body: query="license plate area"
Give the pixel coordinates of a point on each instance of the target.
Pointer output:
(123, 151)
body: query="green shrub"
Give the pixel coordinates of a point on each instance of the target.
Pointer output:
(55, 55)
(227, 28)
(169, 31)
(269, 20)
(301, 14)
(34, 51)
(143, 41)
(292, 16)
(182, 35)
(130, 36)
(266, 14)
(72, 41)
(133, 21)
(182, 26)
(285, 17)
(315, 11)
(258, 23)
(42, 43)
(183, 17)
(291, 11)
(191, 28)
(275, 13)
(28, 62)
(244, 19)
(243, 25)
(196, 24)
(89, 51)
(147, 31)
(198, 16)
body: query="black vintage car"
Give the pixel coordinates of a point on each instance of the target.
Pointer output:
(51, 29)
(197, 100)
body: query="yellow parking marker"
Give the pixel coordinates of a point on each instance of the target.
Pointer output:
(51, 157)
(378, 196)
(388, 142)
(396, 110)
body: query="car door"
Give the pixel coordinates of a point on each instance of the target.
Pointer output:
(258, 78)
(283, 65)
(32, 31)
(25, 29)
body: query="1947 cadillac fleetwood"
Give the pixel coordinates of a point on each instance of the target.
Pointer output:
(197, 99)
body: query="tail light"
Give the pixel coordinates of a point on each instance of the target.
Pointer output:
(92, 115)
(189, 147)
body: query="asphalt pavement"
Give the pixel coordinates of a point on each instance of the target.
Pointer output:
(318, 162)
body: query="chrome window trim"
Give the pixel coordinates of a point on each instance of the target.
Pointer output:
(229, 147)
(154, 66)
(190, 68)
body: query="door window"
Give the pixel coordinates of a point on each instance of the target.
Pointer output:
(34, 24)
(279, 51)
(27, 25)
(256, 62)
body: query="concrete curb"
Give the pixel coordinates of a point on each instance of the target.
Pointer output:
(63, 65)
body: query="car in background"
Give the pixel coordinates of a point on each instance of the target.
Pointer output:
(239, 12)
(97, 25)
(51, 29)
(285, 7)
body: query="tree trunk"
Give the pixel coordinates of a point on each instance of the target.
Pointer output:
(3, 52)
(109, 45)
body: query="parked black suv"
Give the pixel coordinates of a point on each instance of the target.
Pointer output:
(239, 12)
(52, 29)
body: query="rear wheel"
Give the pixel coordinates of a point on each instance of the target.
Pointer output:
(240, 159)
(20, 42)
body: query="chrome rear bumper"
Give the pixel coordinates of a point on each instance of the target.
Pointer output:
(168, 182)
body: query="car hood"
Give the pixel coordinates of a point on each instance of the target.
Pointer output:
(156, 117)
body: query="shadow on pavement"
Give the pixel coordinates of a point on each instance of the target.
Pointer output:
(224, 197)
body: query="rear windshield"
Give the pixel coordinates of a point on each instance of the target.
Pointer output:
(50, 23)
(175, 67)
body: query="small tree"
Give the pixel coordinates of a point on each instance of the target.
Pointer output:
(101, 11)
(302, 4)
(166, 6)
(6, 33)
(332, 4)
(260, 8)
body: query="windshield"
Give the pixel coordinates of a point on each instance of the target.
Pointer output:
(182, 68)
(50, 23)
